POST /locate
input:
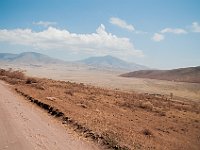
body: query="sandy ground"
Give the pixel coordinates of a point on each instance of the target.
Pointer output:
(116, 118)
(137, 121)
(26, 127)
(111, 80)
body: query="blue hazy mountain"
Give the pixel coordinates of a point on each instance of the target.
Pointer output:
(98, 63)
(28, 58)
(110, 62)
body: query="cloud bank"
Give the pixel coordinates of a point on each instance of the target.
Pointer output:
(100, 42)
(121, 23)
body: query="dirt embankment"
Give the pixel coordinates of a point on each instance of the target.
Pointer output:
(117, 119)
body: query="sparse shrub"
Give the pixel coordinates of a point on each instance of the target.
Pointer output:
(2, 72)
(171, 95)
(147, 132)
(109, 140)
(196, 108)
(162, 113)
(11, 80)
(184, 107)
(13, 74)
(31, 80)
(108, 93)
(146, 105)
(69, 92)
(159, 111)
(12, 77)
(128, 105)
(82, 84)
(37, 86)
(17, 75)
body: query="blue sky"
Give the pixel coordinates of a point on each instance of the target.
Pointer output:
(161, 34)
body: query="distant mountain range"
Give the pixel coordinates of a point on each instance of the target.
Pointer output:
(7, 56)
(29, 58)
(190, 74)
(102, 62)
(110, 62)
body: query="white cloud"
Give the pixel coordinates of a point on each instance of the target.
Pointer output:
(158, 37)
(100, 42)
(195, 27)
(174, 31)
(44, 23)
(121, 23)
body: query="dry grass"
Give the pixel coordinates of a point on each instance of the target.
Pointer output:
(12, 74)
(146, 105)
(121, 118)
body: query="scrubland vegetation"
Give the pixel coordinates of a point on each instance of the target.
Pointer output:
(112, 118)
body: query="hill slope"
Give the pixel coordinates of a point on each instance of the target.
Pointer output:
(7, 56)
(28, 58)
(110, 62)
(190, 74)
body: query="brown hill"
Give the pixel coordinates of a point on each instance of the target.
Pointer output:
(190, 74)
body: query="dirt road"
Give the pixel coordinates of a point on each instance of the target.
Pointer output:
(25, 127)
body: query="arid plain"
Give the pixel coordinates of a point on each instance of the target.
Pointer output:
(116, 112)
(110, 79)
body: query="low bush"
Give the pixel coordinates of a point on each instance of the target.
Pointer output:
(12, 74)
(31, 80)
(146, 105)
(69, 92)
(147, 132)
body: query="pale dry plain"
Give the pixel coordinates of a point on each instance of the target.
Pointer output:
(110, 80)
